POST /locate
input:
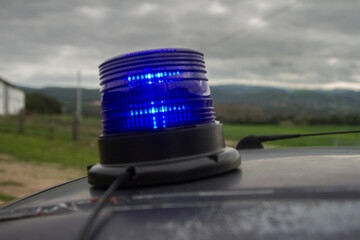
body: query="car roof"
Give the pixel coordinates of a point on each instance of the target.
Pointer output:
(260, 168)
(295, 192)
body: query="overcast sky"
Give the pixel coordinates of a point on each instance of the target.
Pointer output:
(282, 43)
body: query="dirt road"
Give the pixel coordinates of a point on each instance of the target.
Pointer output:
(18, 178)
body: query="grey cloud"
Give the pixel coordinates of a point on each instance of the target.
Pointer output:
(48, 40)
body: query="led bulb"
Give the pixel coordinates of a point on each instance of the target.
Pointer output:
(153, 90)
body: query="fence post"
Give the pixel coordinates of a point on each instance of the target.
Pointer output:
(21, 120)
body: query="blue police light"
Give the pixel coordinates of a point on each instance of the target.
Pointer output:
(154, 90)
(158, 120)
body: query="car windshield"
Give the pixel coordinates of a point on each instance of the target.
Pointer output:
(274, 67)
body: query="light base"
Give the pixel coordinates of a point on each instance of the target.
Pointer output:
(166, 171)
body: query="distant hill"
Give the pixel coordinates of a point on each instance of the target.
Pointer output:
(268, 100)
(280, 101)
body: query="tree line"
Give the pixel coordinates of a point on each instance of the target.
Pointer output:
(247, 114)
(227, 113)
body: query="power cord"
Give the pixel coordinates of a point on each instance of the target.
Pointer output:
(89, 225)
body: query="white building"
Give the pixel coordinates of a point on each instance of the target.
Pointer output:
(12, 98)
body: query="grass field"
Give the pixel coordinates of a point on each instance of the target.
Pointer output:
(52, 157)
(48, 138)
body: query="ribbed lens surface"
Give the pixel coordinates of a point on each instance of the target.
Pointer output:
(154, 89)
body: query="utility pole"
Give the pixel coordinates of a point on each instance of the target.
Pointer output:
(78, 97)
(77, 114)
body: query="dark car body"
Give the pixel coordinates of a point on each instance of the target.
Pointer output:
(297, 193)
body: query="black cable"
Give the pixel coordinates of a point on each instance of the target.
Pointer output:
(85, 233)
(250, 142)
(329, 133)
(288, 136)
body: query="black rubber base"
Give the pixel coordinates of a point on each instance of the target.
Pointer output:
(166, 171)
(161, 145)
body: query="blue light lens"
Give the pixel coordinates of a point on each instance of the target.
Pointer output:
(154, 89)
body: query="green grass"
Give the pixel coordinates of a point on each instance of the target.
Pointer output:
(48, 138)
(5, 197)
(236, 132)
(36, 149)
